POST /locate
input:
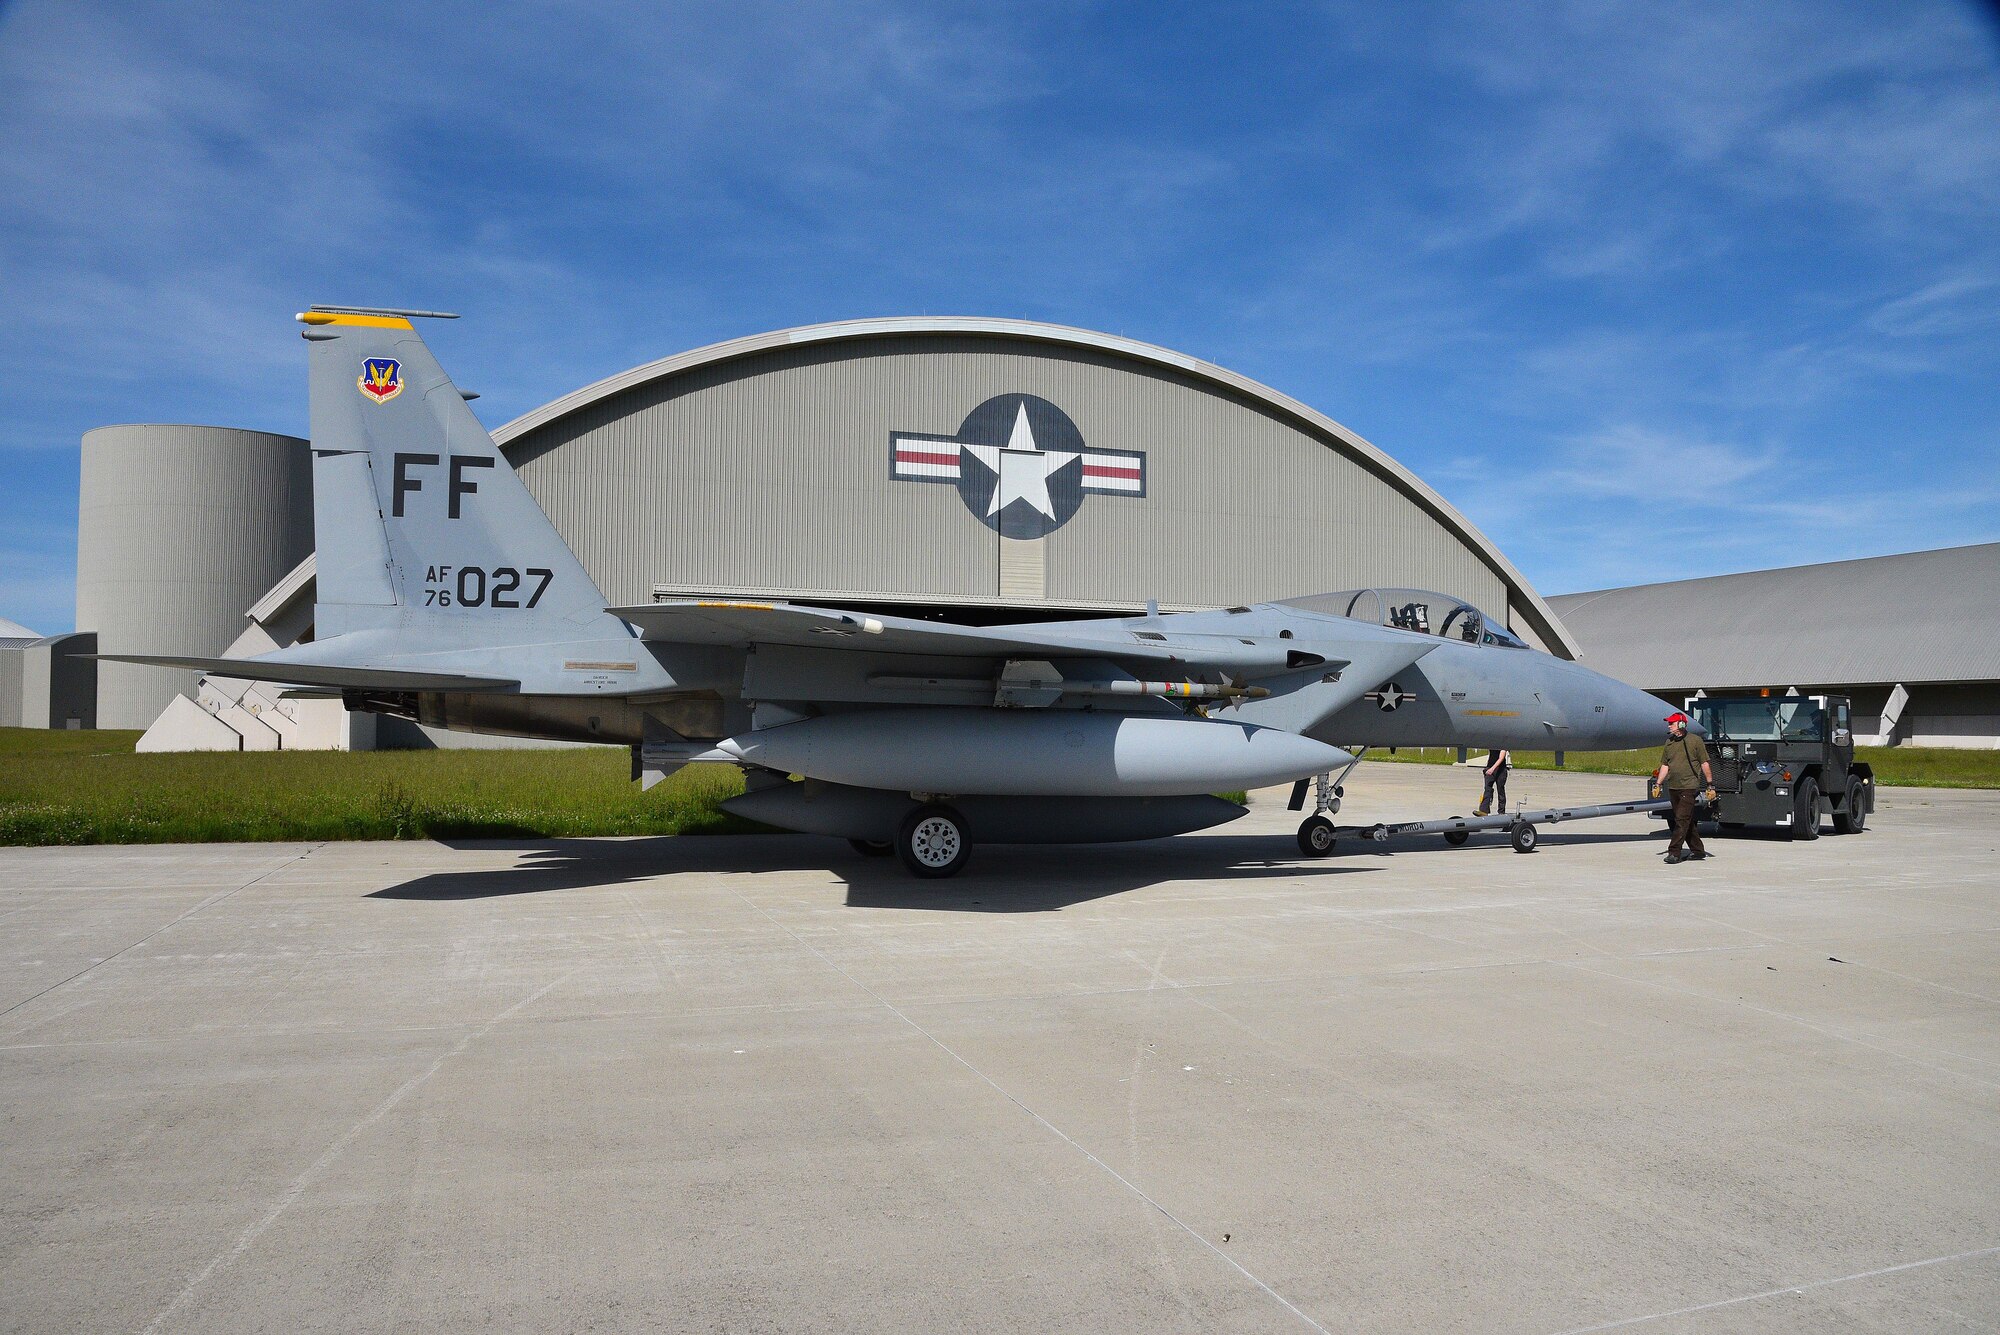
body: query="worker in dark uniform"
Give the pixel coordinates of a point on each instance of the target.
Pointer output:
(1684, 774)
(1497, 765)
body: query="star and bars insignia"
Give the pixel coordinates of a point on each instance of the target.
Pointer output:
(1020, 465)
(1389, 696)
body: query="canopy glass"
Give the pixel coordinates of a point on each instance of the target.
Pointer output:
(1421, 610)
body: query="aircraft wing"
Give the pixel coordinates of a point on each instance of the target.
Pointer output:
(741, 624)
(319, 674)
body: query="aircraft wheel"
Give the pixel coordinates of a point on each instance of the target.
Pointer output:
(872, 848)
(1316, 837)
(1805, 809)
(1524, 837)
(1457, 838)
(933, 842)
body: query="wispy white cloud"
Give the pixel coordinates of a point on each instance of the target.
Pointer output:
(1635, 504)
(1962, 303)
(596, 191)
(1574, 242)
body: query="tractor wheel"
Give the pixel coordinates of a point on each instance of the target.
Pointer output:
(1805, 809)
(1853, 821)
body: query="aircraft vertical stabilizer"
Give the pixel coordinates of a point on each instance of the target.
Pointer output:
(418, 519)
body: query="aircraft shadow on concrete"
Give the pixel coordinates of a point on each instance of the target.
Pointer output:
(1022, 878)
(999, 879)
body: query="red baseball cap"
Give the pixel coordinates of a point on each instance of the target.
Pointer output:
(1675, 718)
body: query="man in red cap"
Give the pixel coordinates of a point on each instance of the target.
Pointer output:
(1683, 774)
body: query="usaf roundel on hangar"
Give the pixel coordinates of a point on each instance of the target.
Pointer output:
(1019, 464)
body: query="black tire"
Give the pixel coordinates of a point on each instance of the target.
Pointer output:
(933, 842)
(1855, 820)
(1457, 838)
(1316, 836)
(1805, 809)
(1524, 837)
(872, 848)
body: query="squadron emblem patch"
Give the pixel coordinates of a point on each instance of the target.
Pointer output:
(381, 379)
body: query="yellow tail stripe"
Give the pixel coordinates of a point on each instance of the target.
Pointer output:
(368, 321)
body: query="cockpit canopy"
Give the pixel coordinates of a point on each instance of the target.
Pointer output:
(1420, 610)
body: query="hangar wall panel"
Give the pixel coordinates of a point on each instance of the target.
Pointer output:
(179, 530)
(59, 682)
(773, 471)
(12, 660)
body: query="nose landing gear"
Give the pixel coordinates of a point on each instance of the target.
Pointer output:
(1317, 831)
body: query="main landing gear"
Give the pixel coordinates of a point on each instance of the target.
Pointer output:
(933, 842)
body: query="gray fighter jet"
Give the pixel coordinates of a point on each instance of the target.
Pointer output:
(446, 596)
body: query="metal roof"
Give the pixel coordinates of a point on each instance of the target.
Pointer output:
(1546, 623)
(15, 631)
(1917, 617)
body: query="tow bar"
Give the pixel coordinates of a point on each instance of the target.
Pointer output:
(1318, 834)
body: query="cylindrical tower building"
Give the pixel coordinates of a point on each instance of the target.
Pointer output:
(180, 529)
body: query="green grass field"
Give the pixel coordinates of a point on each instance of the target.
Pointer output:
(91, 788)
(1895, 766)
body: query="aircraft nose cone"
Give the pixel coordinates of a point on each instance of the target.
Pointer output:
(1632, 719)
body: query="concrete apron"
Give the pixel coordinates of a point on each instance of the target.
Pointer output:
(1196, 1084)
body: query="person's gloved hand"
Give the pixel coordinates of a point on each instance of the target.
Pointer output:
(1708, 794)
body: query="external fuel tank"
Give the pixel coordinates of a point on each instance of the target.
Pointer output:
(1034, 753)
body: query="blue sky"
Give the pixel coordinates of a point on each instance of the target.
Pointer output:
(1647, 290)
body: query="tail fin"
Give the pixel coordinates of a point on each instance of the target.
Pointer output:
(418, 519)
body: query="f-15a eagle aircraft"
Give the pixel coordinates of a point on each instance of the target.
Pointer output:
(445, 595)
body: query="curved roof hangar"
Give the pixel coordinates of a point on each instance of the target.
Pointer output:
(1080, 470)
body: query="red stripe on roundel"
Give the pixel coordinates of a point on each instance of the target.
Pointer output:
(1101, 470)
(906, 456)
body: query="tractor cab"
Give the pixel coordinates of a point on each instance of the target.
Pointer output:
(1784, 761)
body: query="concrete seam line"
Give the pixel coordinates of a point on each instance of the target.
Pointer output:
(1788, 1289)
(215, 898)
(248, 1238)
(1042, 1121)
